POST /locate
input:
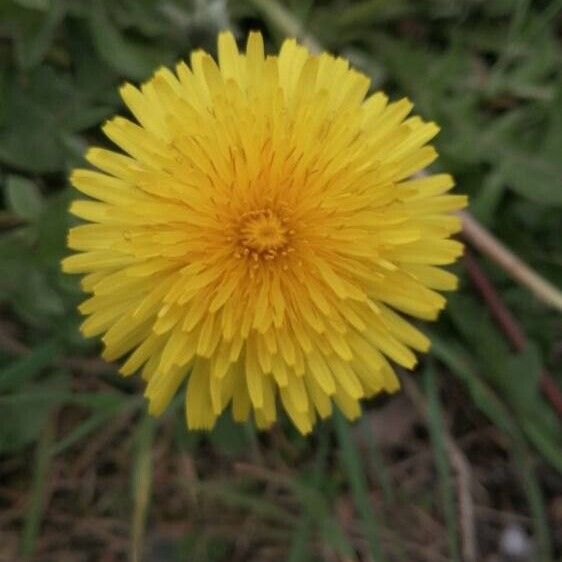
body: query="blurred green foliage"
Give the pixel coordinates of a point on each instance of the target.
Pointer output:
(489, 72)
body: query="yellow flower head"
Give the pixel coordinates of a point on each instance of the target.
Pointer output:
(260, 233)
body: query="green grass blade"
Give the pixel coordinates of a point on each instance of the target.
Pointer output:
(36, 508)
(315, 511)
(377, 462)
(437, 433)
(28, 366)
(549, 448)
(142, 484)
(535, 499)
(299, 550)
(93, 422)
(334, 536)
(359, 490)
(491, 405)
(230, 495)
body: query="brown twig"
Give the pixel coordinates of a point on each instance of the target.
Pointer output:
(552, 392)
(509, 325)
(502, 315)
(484, 241)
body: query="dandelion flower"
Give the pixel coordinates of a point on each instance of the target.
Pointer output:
(261, 235)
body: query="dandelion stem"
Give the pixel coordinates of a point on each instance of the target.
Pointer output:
(488, 244)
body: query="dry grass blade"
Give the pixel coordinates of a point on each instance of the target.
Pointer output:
(445, 444)
(493, 407)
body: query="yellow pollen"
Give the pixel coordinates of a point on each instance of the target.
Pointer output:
(263, 232)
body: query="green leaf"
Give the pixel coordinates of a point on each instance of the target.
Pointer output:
(52, 228)
(28, 366)
(35, 31)
(30, 136)
(38, 299)
(92, 76)
(536, 172)
(538, 420)
(485, 205)
(24, 415)
(42, 5)
(23, 197)
(129, 57)
(533, 176)
(42, 111)
(524, 370)
(229, 437)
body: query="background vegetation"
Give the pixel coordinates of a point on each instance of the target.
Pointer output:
(464, 465)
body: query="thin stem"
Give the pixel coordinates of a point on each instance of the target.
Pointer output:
(484, 241)
(513, 331)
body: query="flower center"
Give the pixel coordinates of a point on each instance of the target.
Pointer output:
(263, 231)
